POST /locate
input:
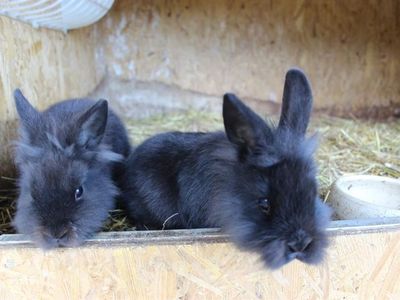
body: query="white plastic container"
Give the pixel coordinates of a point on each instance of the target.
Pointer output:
(365, 196)
(56, 14)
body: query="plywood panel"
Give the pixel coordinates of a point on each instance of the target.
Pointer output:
(47, 65)
(363, 266)
(349, 49)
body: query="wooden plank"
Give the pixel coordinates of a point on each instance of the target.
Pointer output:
(349, 49)
(358, 266)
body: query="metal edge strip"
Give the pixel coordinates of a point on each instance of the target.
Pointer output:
(206, 235)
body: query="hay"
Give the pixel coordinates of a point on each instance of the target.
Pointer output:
(346, 146)
(8, 193)
(356, 147)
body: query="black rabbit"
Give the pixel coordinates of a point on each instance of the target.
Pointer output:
(71, 158)
(256, 181)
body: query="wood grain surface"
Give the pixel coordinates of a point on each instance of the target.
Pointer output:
(363, 262)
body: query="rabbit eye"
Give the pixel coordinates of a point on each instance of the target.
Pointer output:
(265, 205)
(78, 193)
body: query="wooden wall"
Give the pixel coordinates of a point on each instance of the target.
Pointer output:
(349, 49)
(361, 266)
(47, 65)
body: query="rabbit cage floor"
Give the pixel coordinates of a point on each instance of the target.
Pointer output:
(346, 146)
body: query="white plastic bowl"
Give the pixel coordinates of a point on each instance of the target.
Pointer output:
(56, 14)
(365, 196)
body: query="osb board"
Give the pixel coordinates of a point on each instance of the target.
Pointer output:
(349, 49)
(358, 266)
(47, 65)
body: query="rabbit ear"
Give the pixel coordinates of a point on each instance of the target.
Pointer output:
(296, 102)
(92, 125)
(27, 113)
(242, 126)
(246, 129)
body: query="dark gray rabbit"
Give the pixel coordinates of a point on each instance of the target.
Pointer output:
(70, 159)
(256, 181)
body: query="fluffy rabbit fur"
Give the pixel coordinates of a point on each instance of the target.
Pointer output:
(70, 159)
(256, 181)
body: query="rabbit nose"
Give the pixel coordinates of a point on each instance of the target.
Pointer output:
(299, 246)
(62, 234)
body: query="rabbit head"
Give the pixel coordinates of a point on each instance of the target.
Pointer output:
(65, 184)
(275, 209)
